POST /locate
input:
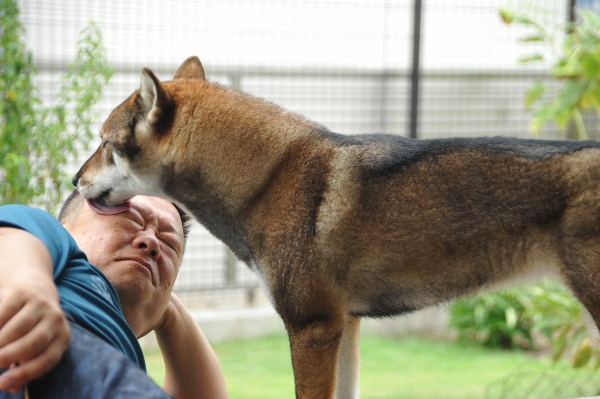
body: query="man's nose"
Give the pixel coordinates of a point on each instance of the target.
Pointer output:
(147, 242)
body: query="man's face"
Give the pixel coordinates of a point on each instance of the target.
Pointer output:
(139, 251)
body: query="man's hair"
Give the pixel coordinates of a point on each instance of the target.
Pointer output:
(71, 209)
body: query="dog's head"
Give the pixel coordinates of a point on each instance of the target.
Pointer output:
(127, 162)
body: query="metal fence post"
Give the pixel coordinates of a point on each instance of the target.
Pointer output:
(415, 74)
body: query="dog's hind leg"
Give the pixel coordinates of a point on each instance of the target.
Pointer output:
(349, 361)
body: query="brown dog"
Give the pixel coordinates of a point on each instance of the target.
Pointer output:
(340, 228)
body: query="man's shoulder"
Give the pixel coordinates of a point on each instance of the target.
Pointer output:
(35, 220)
(16, 213)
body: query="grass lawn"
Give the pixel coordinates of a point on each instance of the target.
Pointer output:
(408, 368)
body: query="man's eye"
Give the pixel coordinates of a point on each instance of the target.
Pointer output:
(170, 243)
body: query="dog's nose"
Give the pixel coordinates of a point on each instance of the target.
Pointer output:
(76, 178)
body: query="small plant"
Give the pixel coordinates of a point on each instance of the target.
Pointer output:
(524, 318)
(576, 67)
(494, 320)
(37, 141)
(561, 318)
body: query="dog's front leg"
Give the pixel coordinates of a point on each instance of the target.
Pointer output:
(349, 361)
(315, 347)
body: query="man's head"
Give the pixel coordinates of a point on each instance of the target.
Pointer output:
(139, 250)
(75, 203)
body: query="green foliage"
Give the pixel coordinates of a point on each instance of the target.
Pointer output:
(523, 317)
(494, 320)
(37, 141)
(576, 67)
(562, 319)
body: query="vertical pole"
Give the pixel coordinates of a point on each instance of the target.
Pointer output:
(571, 133)
(415, 75)
(385, 78)
(571, 11)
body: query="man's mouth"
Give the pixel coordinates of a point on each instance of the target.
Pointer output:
(108, 210)
(141, 262)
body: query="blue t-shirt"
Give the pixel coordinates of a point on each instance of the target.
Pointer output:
(86, 296)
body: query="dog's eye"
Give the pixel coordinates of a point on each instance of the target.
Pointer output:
(104, 143)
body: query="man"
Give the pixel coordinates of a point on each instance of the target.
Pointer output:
(49, 290)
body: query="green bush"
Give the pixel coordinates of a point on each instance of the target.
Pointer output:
(563, 320)
(37, 141)
(494, 320)
(528, 318)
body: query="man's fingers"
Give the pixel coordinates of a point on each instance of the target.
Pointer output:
(18, 375)
(10, 304)
(15, 328)
(51, 331)
(25, 347)
(34, 334)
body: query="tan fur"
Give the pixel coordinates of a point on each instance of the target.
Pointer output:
(340, 228)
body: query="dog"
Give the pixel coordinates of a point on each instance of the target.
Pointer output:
(344, 227)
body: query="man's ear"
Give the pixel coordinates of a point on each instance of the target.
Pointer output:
(190, 69)
(154, 98)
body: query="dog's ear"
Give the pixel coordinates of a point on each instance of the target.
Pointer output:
(190, 69)
(155, 100)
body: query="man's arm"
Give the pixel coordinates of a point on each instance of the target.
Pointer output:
(34, 332)
(192, 368)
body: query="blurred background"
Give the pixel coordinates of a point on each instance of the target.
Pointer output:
(421, 69)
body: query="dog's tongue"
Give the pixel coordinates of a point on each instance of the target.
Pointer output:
(109, 210)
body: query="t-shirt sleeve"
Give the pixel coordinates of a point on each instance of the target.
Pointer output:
(86, 295)
(46, 228)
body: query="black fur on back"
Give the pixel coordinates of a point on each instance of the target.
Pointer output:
(403, 152)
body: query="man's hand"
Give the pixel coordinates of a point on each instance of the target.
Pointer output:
(34, 332)
(191, 366)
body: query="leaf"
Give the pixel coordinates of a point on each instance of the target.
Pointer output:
(534, 93)
(532, 38)
(597, 366)
(590, 64)
(589, 17)
(571, 94)
(566, 69)
(593, 94)
(481, 314)
(531, 58)
(583, 356)
(507, 16)
(559, 346)
(578, 337)
(511, 317)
